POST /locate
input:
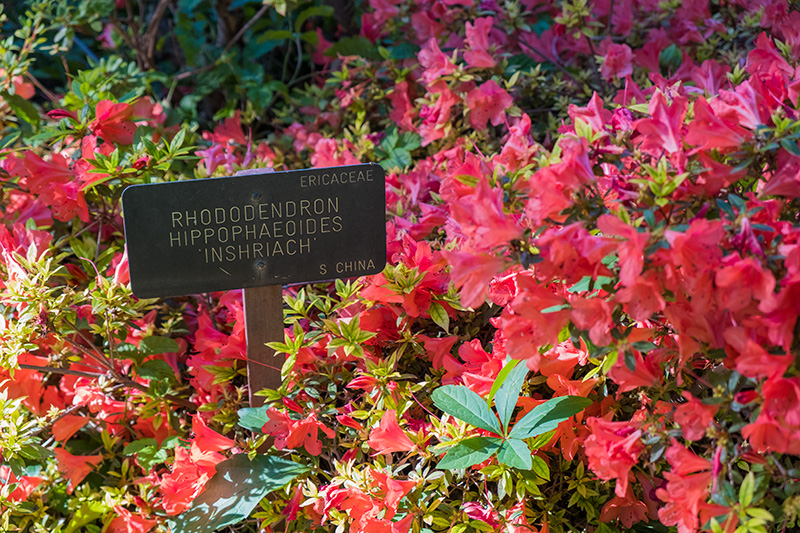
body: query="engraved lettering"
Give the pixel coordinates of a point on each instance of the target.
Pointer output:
(176, 219)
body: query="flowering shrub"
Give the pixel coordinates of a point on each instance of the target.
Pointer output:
(588, 319)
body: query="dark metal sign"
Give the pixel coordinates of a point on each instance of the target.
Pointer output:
(276, 228)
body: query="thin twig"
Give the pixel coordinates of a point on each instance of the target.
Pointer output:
(50, 96)
(66, 371)
(246, 27)
(151, 35)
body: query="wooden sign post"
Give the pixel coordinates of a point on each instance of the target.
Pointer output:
(256, 231)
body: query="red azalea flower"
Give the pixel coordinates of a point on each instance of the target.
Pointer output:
(75, 467)
(613, 449)
(114, 122)
(389, 437)
(488, 102)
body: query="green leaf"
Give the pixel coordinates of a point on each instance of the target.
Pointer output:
(439, 316)
(630, 361)
(643, 346)
(501, 378)
(469, 452)
(316, 11)
(157, 370)
(86, 513)
(790, 146)
(747, 490)
(547, 416)
(540, 468)
(353, 46)
(22, 108)
(760, 514)
(554, 309)
(540, 441)
(150, 456)
(515, 453)
(138, 445)
(153, 345)
(252, 418)
(234, 491)
(583, 285)
(462, 403)
(508, 393)
(274, 35)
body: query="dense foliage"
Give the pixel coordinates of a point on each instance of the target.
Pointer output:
(588, 320)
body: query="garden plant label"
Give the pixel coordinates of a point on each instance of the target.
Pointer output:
(273, 228)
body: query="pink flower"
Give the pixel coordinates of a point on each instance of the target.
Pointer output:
(663, 130)
(478, 39)
(617, 63)
(487, 102)
(434, 61)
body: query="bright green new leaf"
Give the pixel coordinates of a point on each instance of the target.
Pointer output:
(469, 452)
(540, 468)
(500, 379)
(507, 395)
(515, 453)
(548, 415)
(439, 316)
(234, 492)
(747, 489)
(466, 405)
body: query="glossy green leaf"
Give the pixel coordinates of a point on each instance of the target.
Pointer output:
(234, 491)
(515, 453)
(469, 452)
(466, 405)
(501, 378)
(547, 416)
(508, 394)
(253, 418)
